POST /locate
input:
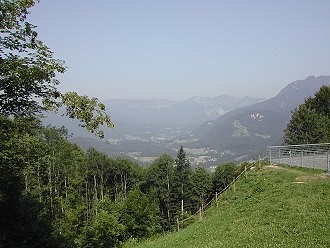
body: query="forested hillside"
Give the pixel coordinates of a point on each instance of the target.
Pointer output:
(55, 195)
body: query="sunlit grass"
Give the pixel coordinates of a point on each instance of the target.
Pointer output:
(272, 207)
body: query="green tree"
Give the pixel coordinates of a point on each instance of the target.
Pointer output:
(159, 184)
(224, 174)
(28, 73)
(311, 120)
(201, 187)
(24, 221)
(140, 215)
(182, 173)
(42, 175)
(64, 185)
(105, 231)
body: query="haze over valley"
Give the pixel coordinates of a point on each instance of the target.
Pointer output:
(212, 130)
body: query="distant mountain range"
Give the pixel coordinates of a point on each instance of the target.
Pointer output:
(212, 130)
(191, 112)
(245, 132)
(145, 118)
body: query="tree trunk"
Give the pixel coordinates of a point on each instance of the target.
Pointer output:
(102, 185)
(125, 185)
(87, 201)
(95, 187)
(182, 199)
(66, 188)
(50, 187)
(39, 183)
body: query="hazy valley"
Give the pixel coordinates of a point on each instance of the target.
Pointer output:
(212, 130)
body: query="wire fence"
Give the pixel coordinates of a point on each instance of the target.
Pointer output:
(309, 155)
(215, 198)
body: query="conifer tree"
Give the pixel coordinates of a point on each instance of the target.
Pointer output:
(182, 172)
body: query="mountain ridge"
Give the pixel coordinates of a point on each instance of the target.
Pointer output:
(263, 123)
(139, 117)
(239, 134)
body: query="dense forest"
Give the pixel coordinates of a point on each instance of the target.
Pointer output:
(55, 195)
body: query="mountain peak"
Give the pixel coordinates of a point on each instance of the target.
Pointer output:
(250, 129)
(303, 88)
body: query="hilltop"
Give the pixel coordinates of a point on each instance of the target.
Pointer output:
(274, 207)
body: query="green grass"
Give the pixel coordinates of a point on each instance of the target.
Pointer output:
(273, 207)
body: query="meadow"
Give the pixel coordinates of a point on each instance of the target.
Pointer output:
(274, 206)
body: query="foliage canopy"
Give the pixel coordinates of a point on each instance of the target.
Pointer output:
(310, 121)
(28, 72)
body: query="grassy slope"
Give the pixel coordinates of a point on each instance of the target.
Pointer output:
(273, 207)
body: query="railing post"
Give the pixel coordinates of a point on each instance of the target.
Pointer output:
(279, 155)
(301, 160)
(290, 158)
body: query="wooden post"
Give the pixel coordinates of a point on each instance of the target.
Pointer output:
(328, 162)
(234, 185)
(245, 172)
(216, 198)
(178, 224)
(200, 213)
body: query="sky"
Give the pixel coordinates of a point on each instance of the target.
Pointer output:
(176, 49)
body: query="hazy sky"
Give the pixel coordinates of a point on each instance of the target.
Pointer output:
(176, 49)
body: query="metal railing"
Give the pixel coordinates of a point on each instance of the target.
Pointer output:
(309, 155)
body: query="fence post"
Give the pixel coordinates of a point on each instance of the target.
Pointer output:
(270, 155)
(200, 213)
(328, 161)
(234, 185)
(245, 172)
(178, 224)
(301, 160)
(216, 198)
(290, 158)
